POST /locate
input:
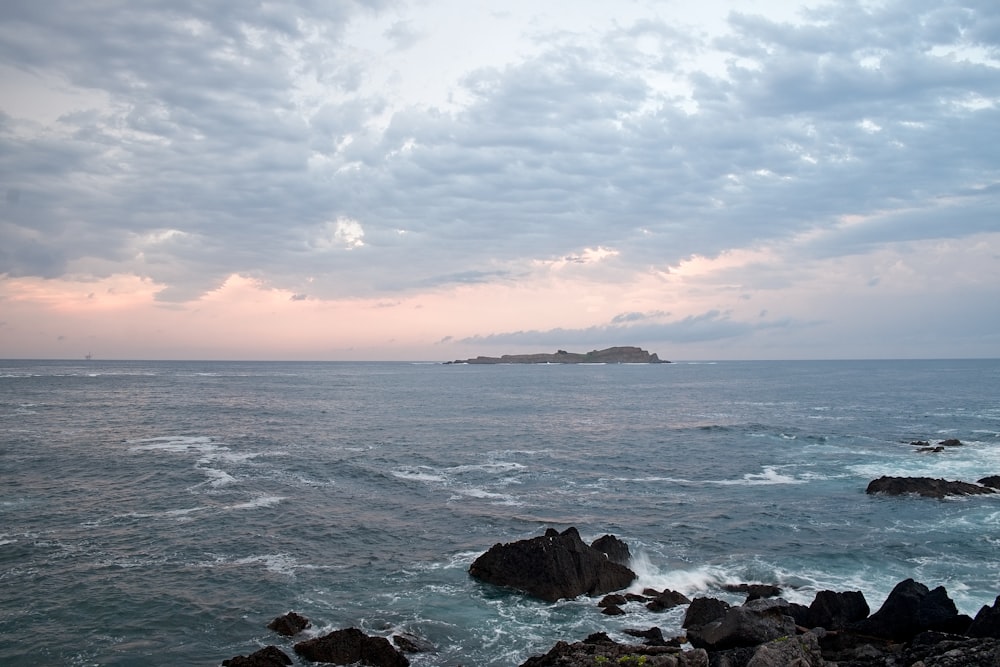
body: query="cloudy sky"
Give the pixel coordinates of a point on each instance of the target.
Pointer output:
(437, 179)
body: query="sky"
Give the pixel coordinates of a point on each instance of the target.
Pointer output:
(439, 179)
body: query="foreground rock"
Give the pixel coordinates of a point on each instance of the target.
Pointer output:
(599, 649)
(611, 355)
(350, 646)
(269, 656)
(552, 567)
(755, 622)
(910, 609)
(925, 486)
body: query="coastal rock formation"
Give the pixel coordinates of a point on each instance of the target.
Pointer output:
(925, 486)
(992, 481)
(289, 625)
(987, 622)
(611, 355)
(834, 611)
(350, 646)
(552, 567)
(910, 609)
(755, 622)
(599, 649)
(269, 656)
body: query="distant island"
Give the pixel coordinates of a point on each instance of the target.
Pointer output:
(612, 355)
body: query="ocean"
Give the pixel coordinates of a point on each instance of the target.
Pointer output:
(161, 513)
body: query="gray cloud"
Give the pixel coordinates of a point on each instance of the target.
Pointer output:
(855, 112)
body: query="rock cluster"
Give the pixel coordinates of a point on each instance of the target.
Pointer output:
(611, 355)
(927, 486)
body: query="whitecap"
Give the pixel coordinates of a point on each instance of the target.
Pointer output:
(259, 501)
(418, 475)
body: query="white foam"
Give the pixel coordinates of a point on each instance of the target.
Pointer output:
(500, 466)
(418, 475)
(260, 501)
(768, 477)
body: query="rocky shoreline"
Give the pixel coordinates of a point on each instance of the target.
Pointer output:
(611, 355)
(915, 627)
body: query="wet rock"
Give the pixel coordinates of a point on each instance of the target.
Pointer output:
(703, 611)
(653, 636)
(802, 650)
(910, 609)
(349, 646)
(409, 643)
(934, 649)
(993, 481)
(924, 486)
(616, 550)
(288, 625)
(615, 599)
(987, 622)
(667, 600)
(834, 611)
(754, 591)
(951, 442)
(269, 656)
(552, 567)
(598, 649)
(613, 610)
(756, 622)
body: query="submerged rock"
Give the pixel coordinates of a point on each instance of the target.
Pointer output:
(552, 567)
(269, 656)
(290, 624)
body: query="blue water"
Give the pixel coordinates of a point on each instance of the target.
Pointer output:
(161, 513)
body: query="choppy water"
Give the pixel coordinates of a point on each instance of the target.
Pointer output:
(163, 512)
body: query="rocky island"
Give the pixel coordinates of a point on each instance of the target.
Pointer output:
(611, 355)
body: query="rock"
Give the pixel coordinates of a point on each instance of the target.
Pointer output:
(754, 591)
(920, 443)
(993, 481)
(598, 650)
(835, 611)
(288, 625)
(348, 646)
(703, 611)
(615, 599)
(924, 486)
(653, 636)
(552, 567)
(951, 442)
(987, 622)
(755, 622)
(909, 610)
(269, 656)
(613, 610)
(408, 643)
(802, 650)
(611, 355)
(935, 649)
(667, 600)
(616, 550)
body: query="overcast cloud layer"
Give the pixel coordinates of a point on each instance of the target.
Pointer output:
(379, 151)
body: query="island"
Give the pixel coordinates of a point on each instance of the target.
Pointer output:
(611, 355)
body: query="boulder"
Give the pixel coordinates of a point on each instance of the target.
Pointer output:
(910, 609)
(936, 649)
(613, 600)
(667, 600)
(552, 567)
(993, 481)
(924, 486)
(703, 611)
(987, 622)
(835, 611)
(269, 656)
(288, 625)
(349, 646)
(409, 643)
(754, 591)
(802, 650)
(753, 623)
(951, 442)
(598, 649)
(612, 547)
(653, 636)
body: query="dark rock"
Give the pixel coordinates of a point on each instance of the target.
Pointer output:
(552, 567)
(616, 550)
(756, 622)
(951, 442)
(920, 443)
(754, 591)
(667, 600)
(801, 651)
(613, 610)
(635, 597)
(653, 636)
(408, 643)
(611, 355)
(835, 611)
(909, 610)
(931, 450)
(288, 625)
(348, 646)
(598, 649)
(269, 656)
(614, 599)
(801, 614)
(934, 649)
(987, 622)
(703, 611)
(924, 486)
(993, 481)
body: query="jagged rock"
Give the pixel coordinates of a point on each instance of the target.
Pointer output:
(753, 623)
(653, 636)
(288, 625)
(754, 591)
(667, 600)
(910, 609)
(924, 486)
(348, 646)
(920, 443)
(833, 611)
(703, 611)
(616, 550)
(613, 610)
(269, 656)
(935, 649)
(987, 622)
(615, 599)
(951, 442)
(801, 650)
(598, 649)
(552, 567)
(993, 481)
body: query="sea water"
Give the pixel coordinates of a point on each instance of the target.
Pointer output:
(161, 513)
